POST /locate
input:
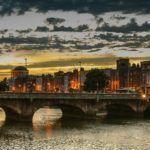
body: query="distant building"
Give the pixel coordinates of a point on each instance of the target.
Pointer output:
(123, 66)
(59, 81)
(75, 80)
(145, 71)
(66, 83)
(19, 79)
(135, 76)
(38, 85)
(113, 80)
(126, 75)
(19, 72)
(47, 83)
(82, 78)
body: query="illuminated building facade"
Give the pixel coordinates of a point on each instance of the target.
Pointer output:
(19, 79)
(134, 76)
(113, 80)
(75, 80)
(123, 66)
(145, 71)
(126, 75)
(82, 78)
(59, 81)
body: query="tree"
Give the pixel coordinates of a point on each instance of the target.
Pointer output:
(3, 85)
(96, 80)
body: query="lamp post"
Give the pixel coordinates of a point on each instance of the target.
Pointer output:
(20, 88)
(48, 88)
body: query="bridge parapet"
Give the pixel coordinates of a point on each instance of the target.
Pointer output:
(75, 96)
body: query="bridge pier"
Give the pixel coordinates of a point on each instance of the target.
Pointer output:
(141, 109)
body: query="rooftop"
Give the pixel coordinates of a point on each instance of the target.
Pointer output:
(20, 68)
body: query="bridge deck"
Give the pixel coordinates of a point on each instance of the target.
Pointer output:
(70, 96)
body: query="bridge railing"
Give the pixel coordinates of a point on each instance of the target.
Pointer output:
(45, 95)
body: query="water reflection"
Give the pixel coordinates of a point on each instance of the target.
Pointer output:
(47, 114)
(45, 120)
(2, 117)
(76, 134)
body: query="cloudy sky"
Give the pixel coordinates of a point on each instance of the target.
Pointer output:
(56, 34)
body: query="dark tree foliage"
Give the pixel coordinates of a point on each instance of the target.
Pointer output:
(3, 85)
(96, 80)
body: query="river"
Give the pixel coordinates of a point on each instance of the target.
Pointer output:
(71, 134)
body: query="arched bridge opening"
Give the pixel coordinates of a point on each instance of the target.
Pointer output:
(147, 112)
(68, 111)
(2, 116)
(10, 114)
(120, 111)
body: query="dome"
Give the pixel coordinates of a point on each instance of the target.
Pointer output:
(20, 68)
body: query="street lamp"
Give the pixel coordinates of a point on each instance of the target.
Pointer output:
(20, 88)
(48, 84)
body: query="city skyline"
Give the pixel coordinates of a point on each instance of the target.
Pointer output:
(125, 75)
(52, 70)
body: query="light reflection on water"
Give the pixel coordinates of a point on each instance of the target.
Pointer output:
(45, 115)
(44, 121)
(57, 134)
(2, 117)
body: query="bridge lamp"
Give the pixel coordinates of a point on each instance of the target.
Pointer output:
(13, 88)
(143, 95)
(20, 90)
(48, 84)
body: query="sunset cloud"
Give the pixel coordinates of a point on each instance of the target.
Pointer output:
(56, 34)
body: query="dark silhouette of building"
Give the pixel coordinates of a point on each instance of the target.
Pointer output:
(123, 66)
(113, 79)
(135, 76)
(125, 76)
(145, 73)
(19, 72)
(18, 79)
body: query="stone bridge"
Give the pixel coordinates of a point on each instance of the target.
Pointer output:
(22, 106)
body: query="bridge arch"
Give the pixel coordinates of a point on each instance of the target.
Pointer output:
(71, 111)
(68, 111)
(120, 110)
(2, 115)
(147, 112)
(10, 113)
